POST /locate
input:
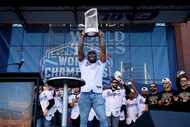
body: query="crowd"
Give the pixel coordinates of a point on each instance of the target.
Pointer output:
(124, 103)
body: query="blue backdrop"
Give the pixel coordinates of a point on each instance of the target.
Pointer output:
(143, 56)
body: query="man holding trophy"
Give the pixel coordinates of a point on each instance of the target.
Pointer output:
(92, 70)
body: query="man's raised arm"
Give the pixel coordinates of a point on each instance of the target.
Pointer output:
(81, 46)
(102, 54)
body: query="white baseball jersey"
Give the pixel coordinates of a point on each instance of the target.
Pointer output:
(44, 97)
(113, 101)
(132, 110)
(75, 110)
(51, 112)
(92, 73)
(122, 113)
(58, 104)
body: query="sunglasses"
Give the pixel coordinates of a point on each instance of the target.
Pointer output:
(183, 80)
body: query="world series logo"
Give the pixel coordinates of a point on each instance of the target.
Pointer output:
(63, 61)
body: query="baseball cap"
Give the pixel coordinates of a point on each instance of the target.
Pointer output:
(181, 72)
(144, 89)
(118, 75)
(166, 80)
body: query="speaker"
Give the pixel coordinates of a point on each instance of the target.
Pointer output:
(144, 120)
(160, 118)
(170, 118)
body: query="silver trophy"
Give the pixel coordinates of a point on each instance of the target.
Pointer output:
(91, 22)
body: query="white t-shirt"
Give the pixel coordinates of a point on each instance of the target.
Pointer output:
(92, 73)
(113, 101)
(75, 110)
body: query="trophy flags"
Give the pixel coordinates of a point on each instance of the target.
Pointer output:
(91, 22)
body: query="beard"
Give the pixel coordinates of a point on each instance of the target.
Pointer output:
(114, 87)
(92, 60)
(154, 90)
(76, 92)
(168, 88)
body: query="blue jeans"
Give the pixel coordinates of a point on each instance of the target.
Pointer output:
(113, 121)
(93, 100)
(47, 123)
(42, 122)
(93, 123)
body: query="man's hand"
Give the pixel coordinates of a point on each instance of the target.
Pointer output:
(102, 54)
(100, 34)
(82, 34)
(188, 83)
(160, 102)
(146, 108)
(176, 98)
(80, 46)
(45, 112)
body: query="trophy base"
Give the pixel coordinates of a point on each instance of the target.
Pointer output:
(91, 32)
